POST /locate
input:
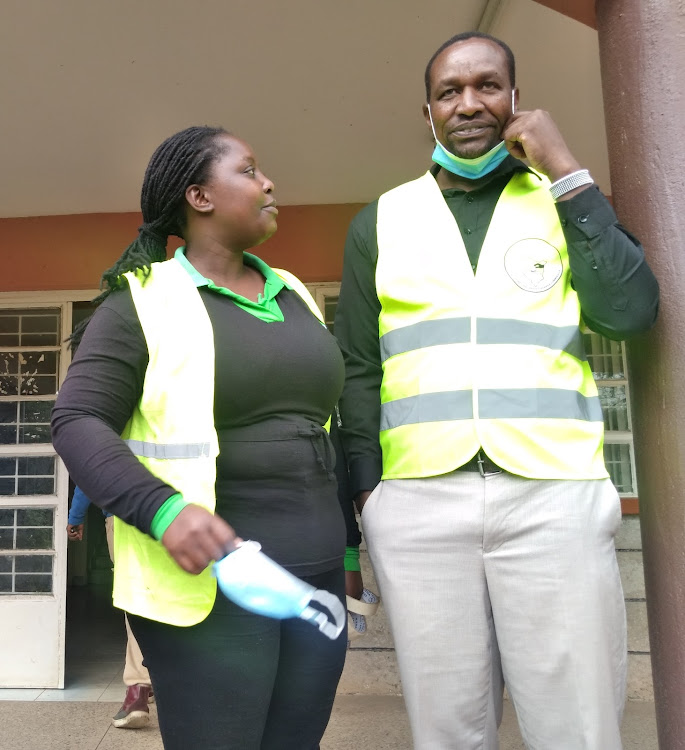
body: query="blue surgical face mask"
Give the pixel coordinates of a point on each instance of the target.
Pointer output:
(255, 582)
(471, 169)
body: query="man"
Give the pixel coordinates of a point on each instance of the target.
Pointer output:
(134, 712)
(491, 532)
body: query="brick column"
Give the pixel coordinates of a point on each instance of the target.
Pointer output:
(642, 53)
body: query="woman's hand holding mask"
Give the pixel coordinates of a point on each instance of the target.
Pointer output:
(196, 537)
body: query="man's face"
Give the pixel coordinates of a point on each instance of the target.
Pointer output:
(470, 97)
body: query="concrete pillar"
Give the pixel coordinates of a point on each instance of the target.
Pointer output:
(642, 53)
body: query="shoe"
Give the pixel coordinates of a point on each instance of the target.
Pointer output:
(358, 610)
(134, 712)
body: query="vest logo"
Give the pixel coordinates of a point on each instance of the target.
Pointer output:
(533, 265)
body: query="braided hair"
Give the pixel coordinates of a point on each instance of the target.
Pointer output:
(184, 159)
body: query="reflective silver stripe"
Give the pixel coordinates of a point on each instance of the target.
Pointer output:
(428, 407)
(538, 403)
(168, 450)
(425, 333)
(515, 403)
(489, 331)
(564, 338)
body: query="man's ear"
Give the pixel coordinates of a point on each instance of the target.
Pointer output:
(199, 199)
(426, 116)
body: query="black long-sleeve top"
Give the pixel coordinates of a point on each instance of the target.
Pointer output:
(618, 296)
(275, 386)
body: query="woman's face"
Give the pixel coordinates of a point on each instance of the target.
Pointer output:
(240, 197)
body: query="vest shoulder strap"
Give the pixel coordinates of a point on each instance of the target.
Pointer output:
(301, 289)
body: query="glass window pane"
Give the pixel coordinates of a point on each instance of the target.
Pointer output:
(38, 363)
(9, 363)
(9, 321)
(8, 487)
(6, 563)
(9, 385)
(8, 467)
(34, 517)
(6, 538)
(33, 563)
(34, 539)
(5, 584)
(35, 486)
(6, 516)
(32, 412)
(8, 412)
(8, 434)
(35, 433)
(615, 406)
(9, 339)
(39, 323)
(38, 339)
(33, 584)
(38, 385)
(35, 466)
(618, 463)
(605, 357)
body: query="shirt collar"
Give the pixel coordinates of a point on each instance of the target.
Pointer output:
(274, 283)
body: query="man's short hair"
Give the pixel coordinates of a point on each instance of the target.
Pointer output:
(511, 64)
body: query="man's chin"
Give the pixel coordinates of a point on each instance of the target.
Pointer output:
(472, 150)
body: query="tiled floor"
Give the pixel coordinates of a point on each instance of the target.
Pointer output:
(95, 648)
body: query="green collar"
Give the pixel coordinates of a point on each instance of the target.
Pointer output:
(266, 308)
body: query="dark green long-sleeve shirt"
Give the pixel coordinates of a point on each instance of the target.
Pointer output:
(617, 291)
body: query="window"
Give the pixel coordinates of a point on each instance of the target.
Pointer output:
(26, 550)
(326, 297)
(31, 353)
(607, 360)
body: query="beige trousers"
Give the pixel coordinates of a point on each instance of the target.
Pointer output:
(134, 671)
(503, 580)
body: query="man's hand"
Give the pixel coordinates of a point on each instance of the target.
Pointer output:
(361, 498)
(75, 532)
(533, 135)
(196, 537)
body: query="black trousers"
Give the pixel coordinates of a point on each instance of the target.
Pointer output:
(240, 680)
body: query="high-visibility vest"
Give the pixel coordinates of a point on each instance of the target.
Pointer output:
(172, 433)
(490, 359)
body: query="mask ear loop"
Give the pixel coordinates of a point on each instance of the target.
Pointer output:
(513, 103)
(430, 117)
(331, 629)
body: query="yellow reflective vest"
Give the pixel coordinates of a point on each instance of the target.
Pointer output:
(172, 433)
(490, 359)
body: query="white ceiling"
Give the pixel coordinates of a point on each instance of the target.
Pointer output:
(327, 92)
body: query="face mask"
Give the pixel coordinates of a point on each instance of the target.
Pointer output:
(472, 169)
(255, 582)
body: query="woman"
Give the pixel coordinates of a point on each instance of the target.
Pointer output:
(194, 411)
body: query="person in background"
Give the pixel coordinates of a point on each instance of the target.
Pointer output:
(134, 712)
(472, 422)
(194, 411)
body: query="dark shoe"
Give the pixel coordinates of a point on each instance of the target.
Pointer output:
(134, 712)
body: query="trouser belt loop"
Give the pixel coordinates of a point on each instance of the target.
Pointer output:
(482, 461)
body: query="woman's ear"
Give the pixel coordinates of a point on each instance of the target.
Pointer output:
(199, 199)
